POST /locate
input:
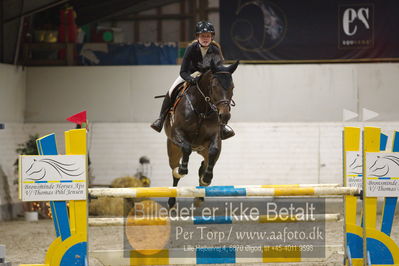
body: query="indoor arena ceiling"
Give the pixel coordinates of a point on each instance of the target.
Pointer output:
(87, 10)
(12, 13)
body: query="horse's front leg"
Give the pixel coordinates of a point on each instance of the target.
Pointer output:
(213, 155)
(186, 151)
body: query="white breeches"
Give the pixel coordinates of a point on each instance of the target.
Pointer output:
(180, 80)
(177, 82)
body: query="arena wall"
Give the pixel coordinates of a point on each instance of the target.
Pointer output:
(288, 118)
(12, 108)
(263, 93)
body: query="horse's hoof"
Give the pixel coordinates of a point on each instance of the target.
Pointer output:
(172, 203)
(203, 183)
(198, 202)
(176, 174)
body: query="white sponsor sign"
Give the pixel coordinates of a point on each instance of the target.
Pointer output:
(354, 169)
(382, 174)
(52, 177)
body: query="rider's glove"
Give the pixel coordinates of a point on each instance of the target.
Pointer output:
(193, 80)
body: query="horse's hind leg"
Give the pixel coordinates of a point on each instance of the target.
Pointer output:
(201, 171)
(174, 153)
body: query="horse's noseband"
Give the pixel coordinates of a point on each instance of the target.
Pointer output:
(208, 100)
(226, 102)
(214, 106)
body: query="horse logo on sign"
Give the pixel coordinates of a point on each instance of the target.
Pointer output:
(39, 169)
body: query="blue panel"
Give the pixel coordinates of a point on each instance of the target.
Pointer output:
(213, 220)
(383, 142)
(390, 202)
(215, 255)
(57, 229)
(379, 253)
(48, 146)
(395, 146)
(75, 255)
(224, 191)
(389, 214)
(66, 181)
(355, 244)
(61, 212)
(132, 54)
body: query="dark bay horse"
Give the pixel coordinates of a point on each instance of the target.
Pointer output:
(195, 124)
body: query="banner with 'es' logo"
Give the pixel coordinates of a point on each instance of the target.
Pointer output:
(310, 31)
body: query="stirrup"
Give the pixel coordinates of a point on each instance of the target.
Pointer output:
(157, 125)
(227, 132)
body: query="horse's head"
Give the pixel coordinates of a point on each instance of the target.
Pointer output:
(221, 89)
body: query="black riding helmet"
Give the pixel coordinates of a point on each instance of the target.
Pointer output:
(204, 26)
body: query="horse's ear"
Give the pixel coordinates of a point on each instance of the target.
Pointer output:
(213, 67)
(233, 67)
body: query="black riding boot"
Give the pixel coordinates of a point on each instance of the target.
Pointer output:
(226, 132)
(158, 124)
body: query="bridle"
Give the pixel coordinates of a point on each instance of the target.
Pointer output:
(213, 106)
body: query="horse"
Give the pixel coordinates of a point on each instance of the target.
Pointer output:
(195, 124)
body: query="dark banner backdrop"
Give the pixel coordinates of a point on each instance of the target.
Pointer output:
(310, 30)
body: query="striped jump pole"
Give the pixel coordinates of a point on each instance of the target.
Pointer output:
(292, 185)
(221, 191)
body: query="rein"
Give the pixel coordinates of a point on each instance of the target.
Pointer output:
(207, 99)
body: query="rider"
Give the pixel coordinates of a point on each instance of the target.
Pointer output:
(198, 56)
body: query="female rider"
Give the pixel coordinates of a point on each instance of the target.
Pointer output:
(198, 55)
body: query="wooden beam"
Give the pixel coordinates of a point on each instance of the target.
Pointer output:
(212, 9)
(137, 31)
(19, 37)
(183, 29)
(1, 31)
(192, 7)
(70, 54)
(203, 9)
(159, 24)
(151, 17)
(36, 10)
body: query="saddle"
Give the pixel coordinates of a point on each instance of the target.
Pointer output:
(177, 95)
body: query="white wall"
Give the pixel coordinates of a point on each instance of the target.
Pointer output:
(263, 93)
(12, 93)
(12, 107)
(260, 153)
(287, 118)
